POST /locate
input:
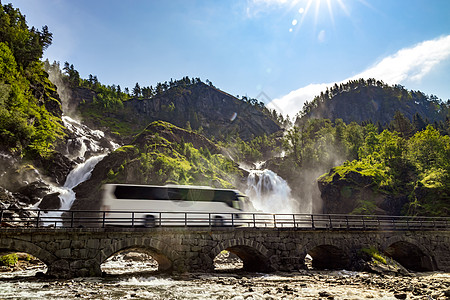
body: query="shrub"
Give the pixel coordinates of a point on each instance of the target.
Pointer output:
(375, 254)
(9, 260)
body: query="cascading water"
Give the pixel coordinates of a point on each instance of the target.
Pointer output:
(81, 173)
(90, 141)
(85, 140)
(270, 193)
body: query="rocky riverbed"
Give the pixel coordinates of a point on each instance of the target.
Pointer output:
(130, 277)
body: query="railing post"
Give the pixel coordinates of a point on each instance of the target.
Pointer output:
(232, 220)
(346, 221)
(160, 219)
(209, 220)
(37, 218)
(254, 220)
(312, 222)
(293, 217)
(364, 223)
(103, 219)
(185, 219)
(393, 223)
(274, 221)
(132, 219)
(331, 224)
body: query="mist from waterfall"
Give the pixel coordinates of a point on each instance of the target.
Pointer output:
(270, 193)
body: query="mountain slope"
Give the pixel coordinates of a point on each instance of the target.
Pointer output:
(196, 106)
(374, 101)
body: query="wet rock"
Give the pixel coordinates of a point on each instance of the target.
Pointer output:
(50, 201)
(400, 296)
(324, 294)
(6, 198)
(136, 256)
(33, 192)
(57, 166)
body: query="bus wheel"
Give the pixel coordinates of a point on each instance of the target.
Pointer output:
(218, 221)
(149, 221)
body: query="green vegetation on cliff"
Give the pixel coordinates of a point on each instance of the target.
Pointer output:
(29, 106)
(160, 155)
(390, 167)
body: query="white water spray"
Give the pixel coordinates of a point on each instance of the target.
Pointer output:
(269, 192)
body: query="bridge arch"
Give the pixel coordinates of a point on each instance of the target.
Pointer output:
(254, 255)
(160, 251)
(326, 255)
(410, 253)
(28, 247)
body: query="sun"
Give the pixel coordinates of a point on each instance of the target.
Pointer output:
(304, 8)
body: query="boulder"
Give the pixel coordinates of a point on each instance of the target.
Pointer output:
(33, 192)
(50, 201)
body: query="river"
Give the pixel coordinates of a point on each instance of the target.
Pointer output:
(135, 280)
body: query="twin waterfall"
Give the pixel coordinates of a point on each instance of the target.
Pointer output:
(267, 191)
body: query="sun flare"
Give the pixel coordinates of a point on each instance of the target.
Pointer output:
(316, 6)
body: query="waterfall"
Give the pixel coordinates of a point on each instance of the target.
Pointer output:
(89, 142)
(79, 174)
(85, 140)
(270, 193)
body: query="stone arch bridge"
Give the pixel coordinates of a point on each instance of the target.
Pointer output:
(73, 252)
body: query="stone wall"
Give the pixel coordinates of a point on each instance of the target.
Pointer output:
(80, 252)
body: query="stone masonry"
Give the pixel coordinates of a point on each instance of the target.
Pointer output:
(80, 252)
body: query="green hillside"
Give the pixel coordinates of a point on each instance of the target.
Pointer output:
(30, 110)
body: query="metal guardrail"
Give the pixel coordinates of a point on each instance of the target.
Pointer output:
(29, 218)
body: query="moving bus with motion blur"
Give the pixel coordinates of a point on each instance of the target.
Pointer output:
(170, 205)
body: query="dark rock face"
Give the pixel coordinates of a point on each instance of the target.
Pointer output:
(377, 104)
(57, 166)
(217, 112)
(32, 192)
(50, 201)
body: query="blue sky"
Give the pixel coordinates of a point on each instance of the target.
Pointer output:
(288, 50)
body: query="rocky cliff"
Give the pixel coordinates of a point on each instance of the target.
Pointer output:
(201, 107)
(367, 101)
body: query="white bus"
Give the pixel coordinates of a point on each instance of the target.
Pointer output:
(171, 205)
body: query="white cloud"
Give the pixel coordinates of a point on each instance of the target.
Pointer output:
(409, 64)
